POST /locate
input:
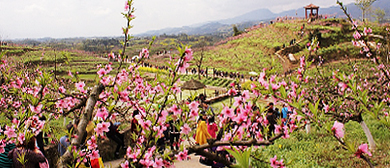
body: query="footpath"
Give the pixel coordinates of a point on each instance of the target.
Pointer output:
(193, 162)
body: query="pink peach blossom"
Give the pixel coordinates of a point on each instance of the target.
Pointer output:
(175, 110)
(80, 86)
(276, 164)
(338, 129)
(101, 128)
(185, 129)
(125, 164)
(10, 132)
(228, 112)
(101, 72)
(363, 148)
(182, 155)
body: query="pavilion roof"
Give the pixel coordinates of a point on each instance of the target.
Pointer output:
(193, 85)
(311, 6)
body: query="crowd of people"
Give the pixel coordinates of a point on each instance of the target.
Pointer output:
(217, 73)
(162, 67)
(24, 154)
(112, 134)
(206, 128)
(273, 114)
(29, 153)
(204, 72)
(233, 75)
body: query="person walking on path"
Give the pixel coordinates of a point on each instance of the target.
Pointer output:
(285, 114)
(212, 127)
(39, 138)
(116, 136)
(201, 131)
(33, 157)
(6, 162)
(271, 118)
(174, 133)
(134, 127)
(64, 140)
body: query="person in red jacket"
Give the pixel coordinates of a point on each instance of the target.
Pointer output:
(134, 125)
(212, 127)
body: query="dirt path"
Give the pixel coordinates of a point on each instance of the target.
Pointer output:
(191, 163)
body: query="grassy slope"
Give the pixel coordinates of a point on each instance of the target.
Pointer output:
(318, 149)
(83, 63)
(256, 49)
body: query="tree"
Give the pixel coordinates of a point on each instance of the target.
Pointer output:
(199, 58)
(365, 6)
(236, 32)
(379, 15)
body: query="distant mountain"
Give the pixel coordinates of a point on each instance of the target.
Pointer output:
(262, 15)
(206, 28)
(256, 15)
(355, 10)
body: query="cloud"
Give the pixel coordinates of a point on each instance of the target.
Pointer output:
(74, 18)
(30, 9)
(100, 11)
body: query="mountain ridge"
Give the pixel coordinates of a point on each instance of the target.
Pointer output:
(258, 16)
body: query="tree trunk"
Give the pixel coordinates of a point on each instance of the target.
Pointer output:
(67, 158)
(370, 139)
(199, 72)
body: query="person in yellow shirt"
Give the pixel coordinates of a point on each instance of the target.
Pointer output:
(201, 131)
(90, 129)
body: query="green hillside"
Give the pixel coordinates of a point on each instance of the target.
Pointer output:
(264, 47)
(255, 50)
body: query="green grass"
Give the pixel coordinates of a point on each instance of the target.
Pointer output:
(57, 127)
(219, 82)
(319, 149)
(84, 64)
(89, 76)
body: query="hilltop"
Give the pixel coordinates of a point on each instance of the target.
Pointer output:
(269, 46)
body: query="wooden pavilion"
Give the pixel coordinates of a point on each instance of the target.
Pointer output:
(313, 11)
(193, 85)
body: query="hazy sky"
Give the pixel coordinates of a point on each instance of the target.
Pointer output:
(88, 18)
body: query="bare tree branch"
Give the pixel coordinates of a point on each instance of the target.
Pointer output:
(67, 158)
